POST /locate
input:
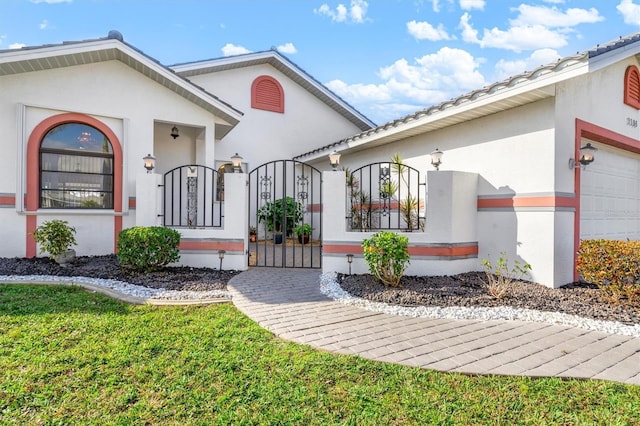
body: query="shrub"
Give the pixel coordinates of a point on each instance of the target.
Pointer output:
(387, 254)
(500, 277)
(55, 237)
(612, 265)
(146, 248)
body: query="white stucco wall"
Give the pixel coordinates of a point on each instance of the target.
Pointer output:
(263, 136)
(122, 98)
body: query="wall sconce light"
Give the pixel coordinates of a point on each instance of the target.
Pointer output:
(236, 160)
(350, 261)
(436, 158)
(149, 162)
(587, 155)
(174, 132)
(221, 256)
(334, 160)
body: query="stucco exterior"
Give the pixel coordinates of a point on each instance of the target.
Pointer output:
(504, 186)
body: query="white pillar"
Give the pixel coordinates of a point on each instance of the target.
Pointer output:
(452, 206)
(148, 199)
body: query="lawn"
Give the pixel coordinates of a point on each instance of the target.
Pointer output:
(72, 357)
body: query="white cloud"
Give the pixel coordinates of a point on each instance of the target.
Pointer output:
(288, 48)
(44, 25)
(552, 17)
(426, 31)
(554, 1)
(505, 69)
(472, 4)
(232, 50)
(516, 38)
(436, 5)
(51, 1)
(356, 12)
(630, 12)
(408, 87)
(17, 45)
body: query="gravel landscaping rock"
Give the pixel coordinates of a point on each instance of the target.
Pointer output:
(468, 290)
(108, 268)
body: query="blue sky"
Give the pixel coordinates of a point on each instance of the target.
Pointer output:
(387, 58)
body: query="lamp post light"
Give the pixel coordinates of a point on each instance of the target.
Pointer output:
(350, 261)
(221, 256)
(334, 160)
(236, 160)
(149, 162)
(174, 132)
(436, 158)
(587, 155)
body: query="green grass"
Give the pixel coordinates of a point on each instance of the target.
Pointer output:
(72, 357)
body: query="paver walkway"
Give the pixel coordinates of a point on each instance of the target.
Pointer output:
(289, 304)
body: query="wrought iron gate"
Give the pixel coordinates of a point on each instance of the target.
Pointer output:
(285, 215)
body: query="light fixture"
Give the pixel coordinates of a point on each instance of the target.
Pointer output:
(587, 155)
(236, 160)
(436, 158)
(174, 132)
(221, 256)
(149, 162)
(350, 260)
(334, 160)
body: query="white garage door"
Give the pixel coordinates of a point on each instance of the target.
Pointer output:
(610, 195)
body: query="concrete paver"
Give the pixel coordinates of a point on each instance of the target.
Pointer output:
(288, 302)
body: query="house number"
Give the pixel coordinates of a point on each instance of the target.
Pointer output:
(632, 122)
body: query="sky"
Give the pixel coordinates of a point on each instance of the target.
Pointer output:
(386, 58)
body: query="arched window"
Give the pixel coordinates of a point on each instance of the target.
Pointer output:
(267, 94)
(76, 168)
(632, 87)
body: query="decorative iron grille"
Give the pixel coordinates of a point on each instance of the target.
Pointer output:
(385, 196)
(190, 198)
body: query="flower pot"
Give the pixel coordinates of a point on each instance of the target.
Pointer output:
(303, 238)
(65, 258)
(253, 238)
(277, 239)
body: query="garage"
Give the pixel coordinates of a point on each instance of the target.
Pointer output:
(610, 195)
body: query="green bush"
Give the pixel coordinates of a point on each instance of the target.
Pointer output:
(55, 237)
(387, 254)
(612, 265)
(146, 248)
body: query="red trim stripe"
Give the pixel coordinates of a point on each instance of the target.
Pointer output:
(434, 250)
(212, 245)
(527, 201)
(8, 200)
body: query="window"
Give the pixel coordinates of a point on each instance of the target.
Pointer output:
(632, 87)
(267, 94)
(76, 168)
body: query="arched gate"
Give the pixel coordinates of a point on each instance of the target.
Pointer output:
(285, 215)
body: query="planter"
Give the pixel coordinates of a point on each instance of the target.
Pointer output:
(277, 239)
(253, 238)
(65, 258)
(303, 238)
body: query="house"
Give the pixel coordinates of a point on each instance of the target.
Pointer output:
(80, 116)
(514, 178)
(522, 137)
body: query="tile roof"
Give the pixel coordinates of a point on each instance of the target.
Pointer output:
(509, 83)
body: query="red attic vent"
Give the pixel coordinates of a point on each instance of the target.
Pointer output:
(267, 94)
(632, 87)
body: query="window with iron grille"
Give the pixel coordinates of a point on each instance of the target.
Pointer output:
(76, 168)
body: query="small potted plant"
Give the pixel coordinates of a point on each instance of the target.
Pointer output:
(303, 231)
(56, 238)
(253, 234)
